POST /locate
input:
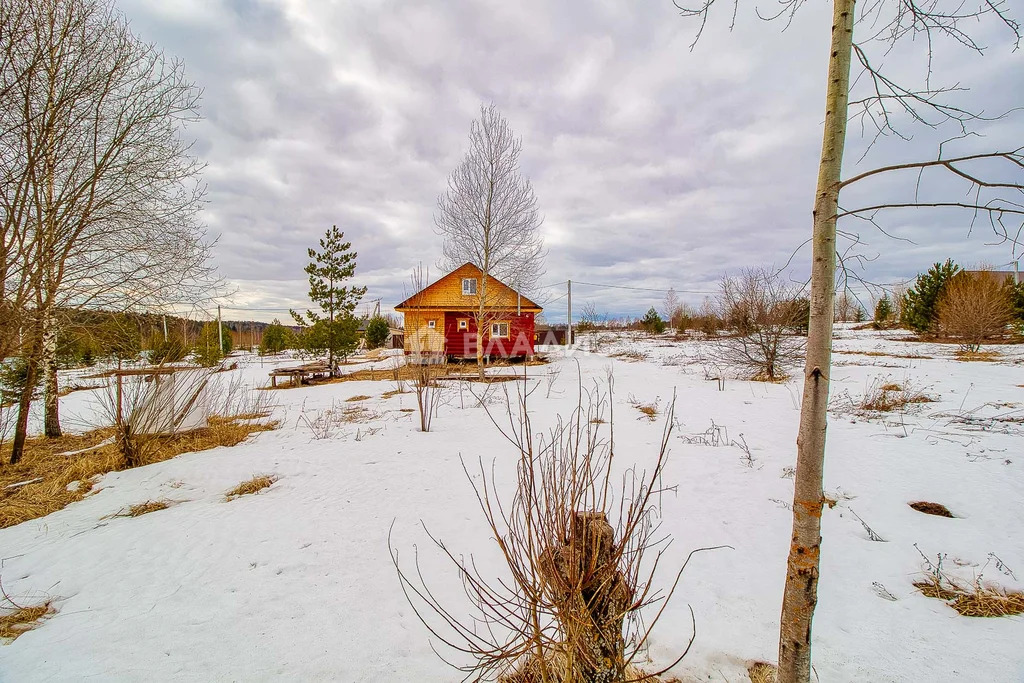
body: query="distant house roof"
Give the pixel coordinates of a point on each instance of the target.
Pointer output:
(446, 293)
(998, 275)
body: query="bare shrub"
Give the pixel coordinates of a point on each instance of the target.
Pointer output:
(396, 374)
(973, 309)
(574, 536)
(762, 310)
(428, 389)
(550, 378)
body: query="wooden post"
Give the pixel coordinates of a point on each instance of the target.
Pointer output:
(120, 392)
(568, 331)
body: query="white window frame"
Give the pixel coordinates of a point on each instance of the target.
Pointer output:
(498, 335)
(432, 324)
(469, 290)
(463, 324)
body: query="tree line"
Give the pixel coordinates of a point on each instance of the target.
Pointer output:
(100, 191)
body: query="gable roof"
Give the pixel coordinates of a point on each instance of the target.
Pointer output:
(446, 293)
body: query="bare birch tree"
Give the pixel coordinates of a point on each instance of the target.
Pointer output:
(488, 216)
(100, 186)
(989, 196)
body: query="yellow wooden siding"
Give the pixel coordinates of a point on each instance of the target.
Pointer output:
(447, 294)
(419, 337)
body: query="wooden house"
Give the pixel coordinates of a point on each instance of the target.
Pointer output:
(441, 319)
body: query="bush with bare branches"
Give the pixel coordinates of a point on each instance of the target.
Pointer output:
(427, 387)
(764, 311)
(577, 537)
(974, 308)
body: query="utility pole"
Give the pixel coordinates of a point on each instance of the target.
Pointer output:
(568, 332)
(220, 330)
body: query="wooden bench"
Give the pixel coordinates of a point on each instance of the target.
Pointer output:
(301, 374)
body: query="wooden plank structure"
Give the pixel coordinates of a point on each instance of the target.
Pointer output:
(169, 407)
(301, 374)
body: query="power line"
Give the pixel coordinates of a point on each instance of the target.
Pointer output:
(643, 289)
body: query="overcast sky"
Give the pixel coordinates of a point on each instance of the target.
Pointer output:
(654, 165)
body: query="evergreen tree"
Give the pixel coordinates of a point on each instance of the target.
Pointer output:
(919, 304)
(1017, 303)
(883, 310)
(377, 332)
(652, 322)
(327, 269)
(208, 348)
(276, 338)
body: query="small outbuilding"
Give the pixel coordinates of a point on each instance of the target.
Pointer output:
(442, 318)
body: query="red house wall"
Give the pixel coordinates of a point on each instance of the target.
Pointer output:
(462, 343)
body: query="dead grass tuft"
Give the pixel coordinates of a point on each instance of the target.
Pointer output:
(357, 397)
(630, 355)
(937, 509)
(145, 508)
(762, 376)
(972, 601)
(762, 672)
(93, 456)
(22, 619)
(648, 410)
(978, 356)
(249, 486)
(883, 354)
(883, 396)
(394, 392)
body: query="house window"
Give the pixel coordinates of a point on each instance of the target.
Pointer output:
(431, 324)
(499, 330)
(468, 286)
(463, 324)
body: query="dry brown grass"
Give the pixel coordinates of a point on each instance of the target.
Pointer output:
(762, 672)
(42, 460)
(883, 396)
(22, 619)
(630, 355)
(973, 601)
(779, 378)
(249, 486)
(978, 356)
(144, 508)
(394, 392)
(648, 410)
(408, 373)
(358, 397)
(937, 509)
(883, 354)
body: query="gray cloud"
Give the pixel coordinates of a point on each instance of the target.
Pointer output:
(655, 165)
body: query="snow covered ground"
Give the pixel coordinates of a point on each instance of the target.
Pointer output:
(297, 582)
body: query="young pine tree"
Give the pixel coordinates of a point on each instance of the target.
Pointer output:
(377, 332)
(327, 269)
(921, 301)
(276, 338)
(652, 322)
(883, 310)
